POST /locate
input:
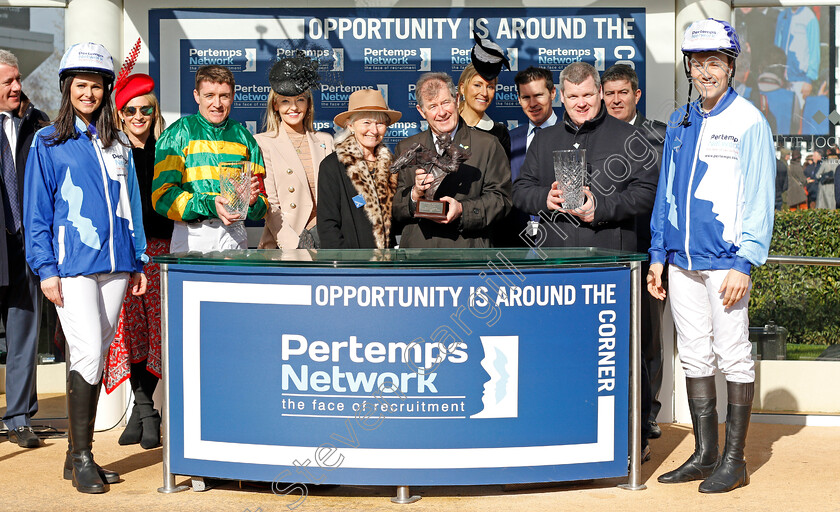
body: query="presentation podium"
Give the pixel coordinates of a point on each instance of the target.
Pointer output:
(401, 367)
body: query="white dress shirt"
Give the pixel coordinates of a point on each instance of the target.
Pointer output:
(552, 119)
(11, 129)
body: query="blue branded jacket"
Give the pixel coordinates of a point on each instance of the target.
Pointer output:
(81, 206)
(714, 202)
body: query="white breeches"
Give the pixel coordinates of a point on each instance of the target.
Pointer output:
(89, 319)
(706, 329)
(209, 235)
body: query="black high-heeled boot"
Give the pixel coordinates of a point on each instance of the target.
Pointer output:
(133, 430)
(702, 403)
(151, 431)
(144, 404)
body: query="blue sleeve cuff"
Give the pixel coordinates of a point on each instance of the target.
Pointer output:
(656, 256)
(47, 271)
(742, 265)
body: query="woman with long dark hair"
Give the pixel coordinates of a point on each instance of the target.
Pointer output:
(84, 237)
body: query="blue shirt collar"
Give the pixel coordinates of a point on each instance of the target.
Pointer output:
(551, 121)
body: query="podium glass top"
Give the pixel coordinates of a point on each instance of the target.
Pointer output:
(405, 258)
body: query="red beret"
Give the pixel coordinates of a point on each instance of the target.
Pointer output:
(131, 87)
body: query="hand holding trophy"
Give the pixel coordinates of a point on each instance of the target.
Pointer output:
(570, 173)
(235, 187)
(437, 166)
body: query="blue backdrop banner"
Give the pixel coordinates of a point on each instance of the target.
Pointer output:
(389, 377)
(381, 48)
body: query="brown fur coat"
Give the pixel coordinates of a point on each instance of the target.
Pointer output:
(376, 186)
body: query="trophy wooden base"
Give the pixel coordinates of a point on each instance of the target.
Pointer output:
(432, 210)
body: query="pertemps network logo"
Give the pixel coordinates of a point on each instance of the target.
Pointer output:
(600, 58)
(397, 59)
(425, 59)
(337, 96)
(501, 362)
(328, 58)
(338, 59)
(513, 57)
(250, 60)
(383, 88)
(236, 59)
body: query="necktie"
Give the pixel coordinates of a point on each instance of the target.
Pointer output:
(12, 206)
(535, 220)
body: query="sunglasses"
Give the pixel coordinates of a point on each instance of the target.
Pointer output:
(146, 111)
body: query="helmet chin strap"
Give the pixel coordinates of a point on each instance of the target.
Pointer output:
(685, 121)
(731, 74)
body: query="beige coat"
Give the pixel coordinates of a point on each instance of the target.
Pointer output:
(289, 201)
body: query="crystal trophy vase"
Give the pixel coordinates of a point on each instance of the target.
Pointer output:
(235, 186)
(570, 173)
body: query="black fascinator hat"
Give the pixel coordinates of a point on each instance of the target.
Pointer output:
(294, 75)
(488, 58)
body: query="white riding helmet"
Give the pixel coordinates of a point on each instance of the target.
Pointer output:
(87, 58)
(711, 35)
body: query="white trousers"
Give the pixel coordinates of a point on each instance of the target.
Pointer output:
(209, 235)
(89, 319)
(706, 329)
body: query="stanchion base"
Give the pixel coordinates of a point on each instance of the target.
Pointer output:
(404, 501)
(172, 490)
(629, 487)
(404, 496)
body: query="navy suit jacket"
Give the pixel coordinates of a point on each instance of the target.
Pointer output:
(508, 231)
(518, 147)
(31, 121)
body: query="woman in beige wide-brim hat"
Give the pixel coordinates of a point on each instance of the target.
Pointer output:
(355, 184)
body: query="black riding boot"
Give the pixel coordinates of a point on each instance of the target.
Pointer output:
(732, 471)
(81, 416)
(107, 476)
(702, 404)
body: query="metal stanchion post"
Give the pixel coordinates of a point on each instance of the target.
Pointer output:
(168, 478)
(634, 482)
(404, 497)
